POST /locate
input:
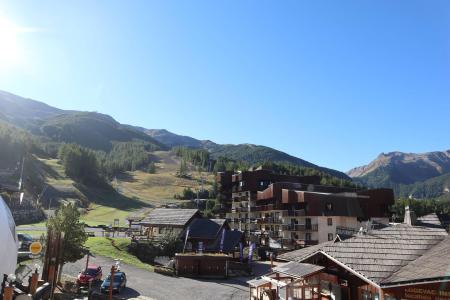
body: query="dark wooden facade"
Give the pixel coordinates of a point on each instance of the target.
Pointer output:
(197, 265)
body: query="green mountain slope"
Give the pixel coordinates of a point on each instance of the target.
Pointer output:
(92, 130)
(88, 129)
(23, 112)
(101, 132)
(435, 187)
(422, 175)
(249, 153)
(172, 140)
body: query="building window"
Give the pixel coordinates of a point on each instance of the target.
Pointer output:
(330, 236)
(308, 236)
(329, 206)
(330, 221)
(241, 183)
(308, 224)
(308, 293)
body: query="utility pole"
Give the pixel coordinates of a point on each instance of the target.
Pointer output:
(111, 282)
(42, 193)
(21, 174)
(87, 260)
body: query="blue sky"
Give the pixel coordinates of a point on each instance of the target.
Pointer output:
(333, 82)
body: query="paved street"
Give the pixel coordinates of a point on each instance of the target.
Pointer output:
(156, 286)
(96, 231)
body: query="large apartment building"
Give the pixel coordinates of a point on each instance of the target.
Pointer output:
(291, 212)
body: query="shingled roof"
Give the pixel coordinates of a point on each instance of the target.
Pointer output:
(205, 228)
(232, 239)
(169, 217)
(296, 269)
(434, 264)
(379, 253)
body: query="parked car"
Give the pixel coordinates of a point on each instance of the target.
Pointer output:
(25, 241)
(119, 283)
(91, 274)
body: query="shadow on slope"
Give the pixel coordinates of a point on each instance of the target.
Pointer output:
(107, 196)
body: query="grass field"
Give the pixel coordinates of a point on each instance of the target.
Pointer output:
(115, 248)
(159, 188)
(98, 215)
(133, 192)
(34, 233)
(40, 224)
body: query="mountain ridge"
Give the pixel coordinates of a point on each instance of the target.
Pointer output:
(407, 173)
(241, 152)
(99, 131)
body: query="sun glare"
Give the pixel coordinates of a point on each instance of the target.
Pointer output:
(10, 51)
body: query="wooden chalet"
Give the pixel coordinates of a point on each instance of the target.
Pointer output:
(162, 221)
(399, 261)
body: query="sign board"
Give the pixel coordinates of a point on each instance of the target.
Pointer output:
(35, 248)
(116, 222)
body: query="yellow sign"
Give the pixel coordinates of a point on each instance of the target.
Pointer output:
(35, 248)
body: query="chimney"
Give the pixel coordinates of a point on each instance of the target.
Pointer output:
(410, 216)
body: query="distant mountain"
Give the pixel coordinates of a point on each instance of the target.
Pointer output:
(423, 174)
(242, 152)
(92, 130)
(99, 132)
(89, 129)
(23, 112)
(171, 139)
(434, 187)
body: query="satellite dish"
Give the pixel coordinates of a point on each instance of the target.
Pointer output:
(8, 238)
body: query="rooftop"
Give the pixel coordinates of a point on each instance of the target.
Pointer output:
(380, 253)
(434, 264)
(206, 228)
(169, 216)
(296, 269)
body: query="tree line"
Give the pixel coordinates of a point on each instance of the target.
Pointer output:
(126, 156)
(15, 144)
(197, 157)
(420, 207)
(94, 167)
(202, 159)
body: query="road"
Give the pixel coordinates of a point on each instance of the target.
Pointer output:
(157, 286)
(95, 230)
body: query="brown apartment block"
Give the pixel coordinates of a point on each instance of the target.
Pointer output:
(292, 212)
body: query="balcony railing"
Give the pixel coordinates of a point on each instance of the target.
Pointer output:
(268, 207)
(300, 227)
(274, 234)
(293, 213)
(269, 220)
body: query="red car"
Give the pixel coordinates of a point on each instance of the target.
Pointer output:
(91, 274)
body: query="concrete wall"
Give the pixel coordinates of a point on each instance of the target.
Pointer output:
(325, 229)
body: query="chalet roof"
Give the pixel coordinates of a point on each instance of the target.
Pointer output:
(206, 228)
(379, 253)
(304, 253)
(231, 241)
(430, 220)
(296, 269)
(257, 282)
(434, 264)
(169, 216)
